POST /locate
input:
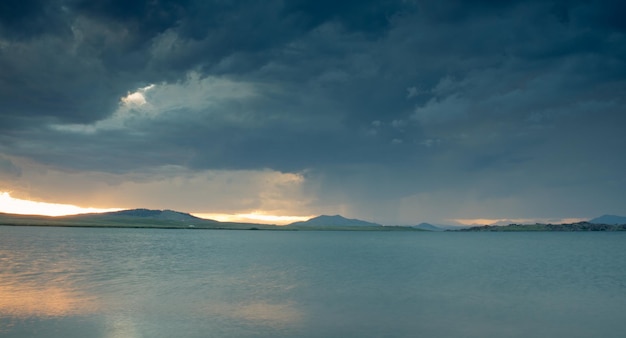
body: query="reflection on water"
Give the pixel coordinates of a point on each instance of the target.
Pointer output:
(37, 282)
(118, 283)
(120, 327)
(23, 301)
(131, 283)
(279, 315)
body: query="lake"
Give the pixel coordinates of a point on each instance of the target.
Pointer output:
(82, 282)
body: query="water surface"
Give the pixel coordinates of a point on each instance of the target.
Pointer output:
(79, 282)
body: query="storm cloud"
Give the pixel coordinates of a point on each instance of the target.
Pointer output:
(393, 111)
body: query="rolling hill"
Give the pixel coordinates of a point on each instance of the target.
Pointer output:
(132, 218)
(609, 219)
(335, 221)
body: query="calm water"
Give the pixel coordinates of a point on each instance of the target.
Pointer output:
(64, 282)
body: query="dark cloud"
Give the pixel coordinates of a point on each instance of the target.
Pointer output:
(363, 16)
(29, 18)
(378, 102)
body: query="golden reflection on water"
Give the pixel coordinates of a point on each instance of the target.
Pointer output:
(49, 281)
(31, 285)
(21, 301)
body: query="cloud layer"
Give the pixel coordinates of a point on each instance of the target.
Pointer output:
(393, 111)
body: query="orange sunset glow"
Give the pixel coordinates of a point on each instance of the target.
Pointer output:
(255, 217)
(13, 205)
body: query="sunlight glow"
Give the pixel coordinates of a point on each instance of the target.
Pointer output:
(137, 98)
(12, 205)
(254, 217)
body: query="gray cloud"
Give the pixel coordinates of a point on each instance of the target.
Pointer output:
(378, 104)
(8, 170)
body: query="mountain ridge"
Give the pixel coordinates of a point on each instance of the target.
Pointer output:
(142, 217)
(335, 221)
(154, 213)
(129, 218)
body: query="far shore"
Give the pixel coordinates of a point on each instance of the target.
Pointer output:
(237, 226)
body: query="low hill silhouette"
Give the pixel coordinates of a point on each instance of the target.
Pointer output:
(336, 220)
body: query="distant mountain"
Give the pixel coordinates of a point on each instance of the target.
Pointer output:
(427, 226)
(133, 218)
(169, 215)
(169, 219)
(609, 219)
(335, 221)
(140, 217)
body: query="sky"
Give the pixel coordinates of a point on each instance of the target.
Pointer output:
(397, 112)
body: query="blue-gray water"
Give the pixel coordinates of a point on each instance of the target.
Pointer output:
(127, 283)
